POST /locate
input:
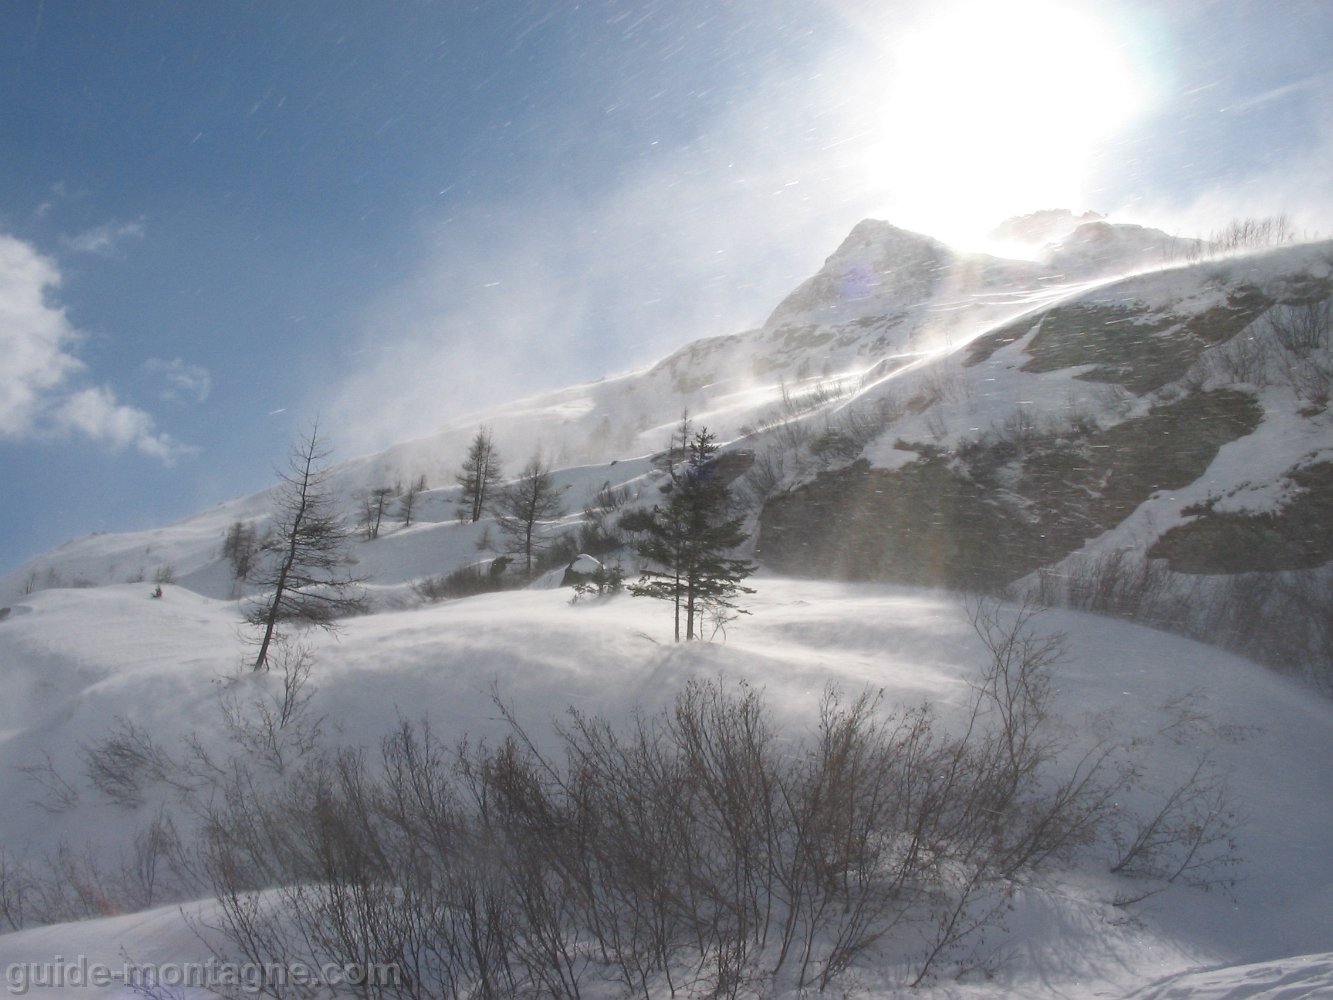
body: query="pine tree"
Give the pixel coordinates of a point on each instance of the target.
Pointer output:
(302, 566)
(688, 539)
(524, 504)
(480, 472)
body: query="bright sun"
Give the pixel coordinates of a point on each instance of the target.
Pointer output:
(995, 108)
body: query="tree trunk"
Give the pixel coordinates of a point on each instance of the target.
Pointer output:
(272, 621)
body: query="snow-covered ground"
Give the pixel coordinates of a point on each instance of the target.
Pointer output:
(891, 314)
(74, 660)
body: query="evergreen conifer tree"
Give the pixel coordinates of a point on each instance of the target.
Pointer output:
(687, 540)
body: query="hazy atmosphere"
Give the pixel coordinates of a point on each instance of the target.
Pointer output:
(646, 499)
(217, 221)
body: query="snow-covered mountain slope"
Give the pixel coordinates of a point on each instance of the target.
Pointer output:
(1099, 423)
(76, 660)
(909, 414)
(1103, 248)
(887, 308)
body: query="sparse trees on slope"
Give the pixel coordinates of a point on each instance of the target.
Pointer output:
(408, 501)
(688, 539)
(303, 567)
(480, 472)
(524, 504)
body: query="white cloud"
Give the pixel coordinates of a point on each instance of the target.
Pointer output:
(183, 382)
(95, 414)
(104, 239)
(34, 337)
(37, 342)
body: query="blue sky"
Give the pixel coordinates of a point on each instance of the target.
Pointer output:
(217, 220)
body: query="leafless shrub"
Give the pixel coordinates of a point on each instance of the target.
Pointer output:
(1123, 584)
(58, 795)
(1077, 421)
(698, 850)
(155, 868)
(1297, 612)
(1244, 359)
(29, 584)
(941, 382)
(271, 732)
(936, 425)
(795, 403)
(17, 888)
(1302, 336)
(765, 478)
(1282, 619)
(77, 884)
(855, 425)
(71, 885)
(1291, 344)
(165, 574)
(799, 444)
(467, 581)
(599, 533)
(267, 717)
(1189, 841)
(124, 764)
(1019, 430)
(1302, 329)
(787, 421)
(1252, 232)
(1114, 399)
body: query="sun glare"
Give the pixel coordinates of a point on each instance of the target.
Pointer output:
(995, 108)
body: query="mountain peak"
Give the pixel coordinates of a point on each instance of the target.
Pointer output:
(877, 259)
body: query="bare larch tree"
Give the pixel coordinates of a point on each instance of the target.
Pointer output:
(407, 503)
(480, 472)
(374, 508)
(303, 570)
(524, 504)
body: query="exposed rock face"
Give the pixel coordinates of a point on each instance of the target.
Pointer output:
(994, 511)
(1297, 535)
(1125, 343)
(1095, 426)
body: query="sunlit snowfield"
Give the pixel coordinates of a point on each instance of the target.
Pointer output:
(78, 658)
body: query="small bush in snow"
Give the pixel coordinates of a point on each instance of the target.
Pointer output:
(465, 582)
